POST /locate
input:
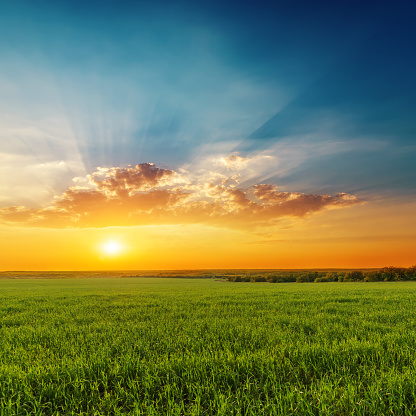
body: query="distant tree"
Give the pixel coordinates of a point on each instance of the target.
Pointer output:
(398, 277)
(331, 277)
(290, 278)
(312, 276)
(393, 273)
(411, 273)
(372, 276)
(302, 278)
(354, 276)
(259, 278)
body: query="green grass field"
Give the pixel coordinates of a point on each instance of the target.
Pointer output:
(143, 346)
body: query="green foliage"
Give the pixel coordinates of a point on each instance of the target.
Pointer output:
(373, 277)
(258, 279)
(386, 274)
(200, 347)
(330, 277)
(302, 278)
(354, 276)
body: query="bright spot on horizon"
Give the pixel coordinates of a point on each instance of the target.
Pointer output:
(111, 247)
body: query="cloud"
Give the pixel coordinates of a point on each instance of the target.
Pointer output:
(146, 195)
(31, 180)
(123, 182)
(269, 193)
(233, 161)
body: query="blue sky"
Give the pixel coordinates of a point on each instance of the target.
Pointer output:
(327, 88)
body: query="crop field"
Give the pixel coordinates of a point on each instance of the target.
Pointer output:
(152, 346)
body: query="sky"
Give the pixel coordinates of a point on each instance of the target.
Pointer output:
(220, 134)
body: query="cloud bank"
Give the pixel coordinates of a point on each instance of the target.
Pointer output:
(145, 194)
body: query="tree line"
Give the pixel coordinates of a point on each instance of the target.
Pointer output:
(385, 274)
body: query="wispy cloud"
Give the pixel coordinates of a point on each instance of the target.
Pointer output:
(28, 180)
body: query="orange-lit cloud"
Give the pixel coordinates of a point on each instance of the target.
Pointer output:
(122, 182)
(145, 195)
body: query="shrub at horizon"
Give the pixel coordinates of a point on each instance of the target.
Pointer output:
(386, 274)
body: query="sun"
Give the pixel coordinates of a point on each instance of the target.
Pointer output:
(111, 247)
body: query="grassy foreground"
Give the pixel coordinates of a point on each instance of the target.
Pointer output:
(201, 347)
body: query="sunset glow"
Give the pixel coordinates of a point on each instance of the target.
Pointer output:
(111, 248)
(200, 137)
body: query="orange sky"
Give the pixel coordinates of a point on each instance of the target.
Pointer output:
(213, 223)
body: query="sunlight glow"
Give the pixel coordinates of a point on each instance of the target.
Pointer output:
(111, 247)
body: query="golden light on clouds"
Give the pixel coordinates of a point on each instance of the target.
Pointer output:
(198, 218)
(148, 195)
